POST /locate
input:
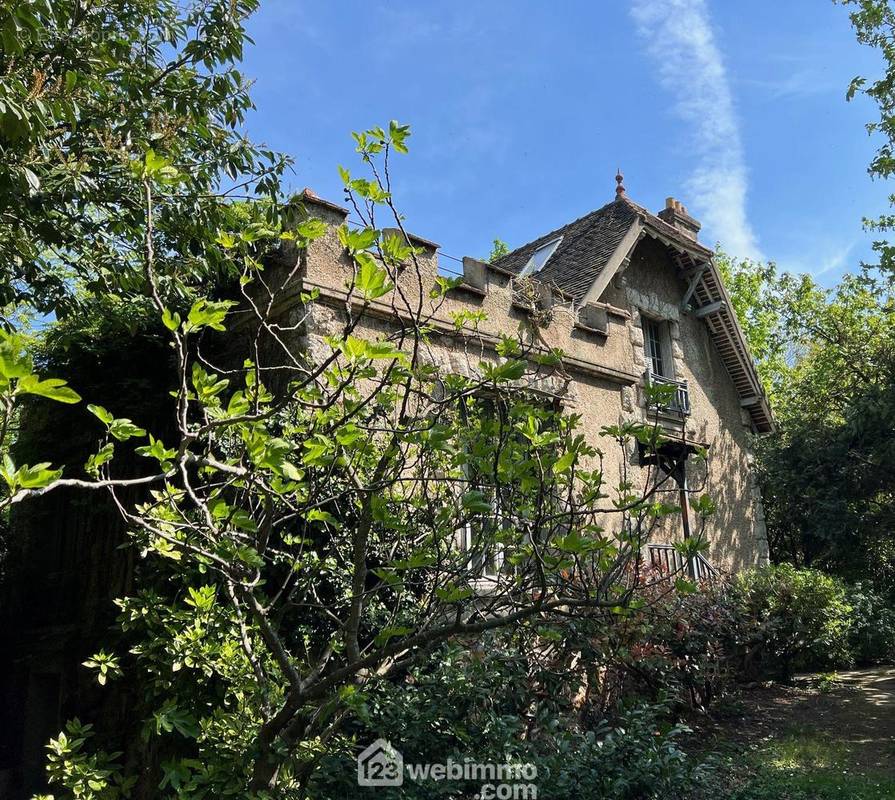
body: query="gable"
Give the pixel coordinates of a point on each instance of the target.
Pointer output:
(700, 292)
(595, 247)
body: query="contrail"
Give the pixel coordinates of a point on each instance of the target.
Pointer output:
(679, 37)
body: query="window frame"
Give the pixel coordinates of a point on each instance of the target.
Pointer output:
(486, 567)
(657, 336)
(550, 247)
(489, 565)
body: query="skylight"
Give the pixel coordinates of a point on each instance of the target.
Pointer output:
(540, 257)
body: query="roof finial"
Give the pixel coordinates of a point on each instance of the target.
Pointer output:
(620, 189)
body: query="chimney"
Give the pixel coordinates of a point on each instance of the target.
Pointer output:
(676, 215)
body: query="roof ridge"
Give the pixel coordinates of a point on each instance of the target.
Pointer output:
(559, 231)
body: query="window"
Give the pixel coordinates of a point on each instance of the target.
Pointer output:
(490, 538)
(539, 258)
(655, 342)
(477, 536)
(484, 564)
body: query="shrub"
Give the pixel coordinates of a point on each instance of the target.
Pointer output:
(791, 619)
(872, 634)
(637, 758)
(672, 646)
(493, 703)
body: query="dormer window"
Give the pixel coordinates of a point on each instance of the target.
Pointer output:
(539, 257)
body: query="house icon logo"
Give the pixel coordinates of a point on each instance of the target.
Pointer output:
(380, 765)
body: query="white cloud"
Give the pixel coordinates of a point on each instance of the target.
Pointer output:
(679, 37)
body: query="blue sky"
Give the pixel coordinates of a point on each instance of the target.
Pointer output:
(521, 112)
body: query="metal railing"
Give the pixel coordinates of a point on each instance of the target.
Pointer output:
(680, 403)
(669, 560)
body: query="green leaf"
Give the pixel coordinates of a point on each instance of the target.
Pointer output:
(105, 454)
(564, 463)
(250, 556)
(476, 502)
(238, 404)
(166, 549)
(101, 413)
(208, 314)
(155, 449)
(354, 240)
(14, 361)
(242, 520)
(372, 280)
(52, 388)
(170, 320)
(398, 135)
(201, 598)
(170, 718)
(153, 162)
(394, 630)
(511, 370)
(311, 229)
(348, 434)
(319, 515)
(37, 476)
(318, 450)
(124, 429)
(226, 240)
(8, 471)
(453, 594)
(159, 168)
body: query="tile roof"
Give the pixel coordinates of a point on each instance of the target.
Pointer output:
(586, 247)
(588, 244)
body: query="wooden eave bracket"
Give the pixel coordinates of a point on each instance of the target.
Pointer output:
(710, 308)
(695, 276)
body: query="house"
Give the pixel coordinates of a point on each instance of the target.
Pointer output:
(632, 299)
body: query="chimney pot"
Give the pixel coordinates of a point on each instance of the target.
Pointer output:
(675, 214)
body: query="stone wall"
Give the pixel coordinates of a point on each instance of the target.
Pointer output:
(604, 367)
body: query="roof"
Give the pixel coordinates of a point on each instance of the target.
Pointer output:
(589, 243)
(591, 251)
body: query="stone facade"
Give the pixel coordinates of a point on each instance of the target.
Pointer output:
(604, 363)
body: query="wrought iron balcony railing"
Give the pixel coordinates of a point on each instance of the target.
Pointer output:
(680, 401)
(669, 561)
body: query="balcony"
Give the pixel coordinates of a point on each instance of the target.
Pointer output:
(670, 562)
(679, 402)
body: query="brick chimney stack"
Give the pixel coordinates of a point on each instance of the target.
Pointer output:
(676, 214)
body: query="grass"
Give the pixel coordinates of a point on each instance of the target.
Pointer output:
(800, 764)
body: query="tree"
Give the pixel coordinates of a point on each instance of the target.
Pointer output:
(499, 249)
(827, 476)
(86, 89)
(874, 24)
(323, 521)
(826, 357)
